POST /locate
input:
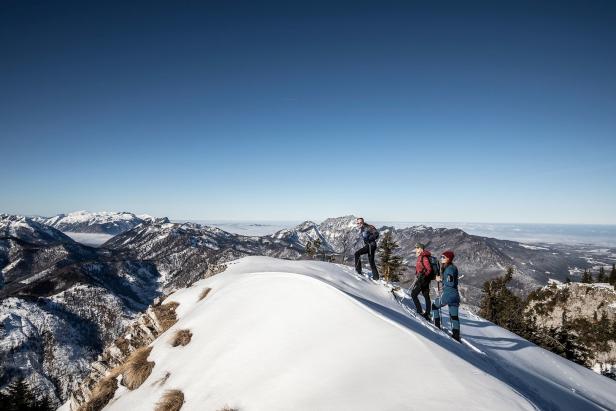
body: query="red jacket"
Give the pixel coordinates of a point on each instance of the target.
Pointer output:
(422, 266)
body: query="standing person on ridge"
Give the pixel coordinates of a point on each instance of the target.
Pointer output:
(369, 234)
(449, 295)
(423, 273)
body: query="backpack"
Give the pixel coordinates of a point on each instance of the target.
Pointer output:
(436, 267)
(372, 233)
(375, 233)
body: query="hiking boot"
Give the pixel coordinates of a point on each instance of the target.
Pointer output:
(456, 335)
(437, 322)
(426, 315)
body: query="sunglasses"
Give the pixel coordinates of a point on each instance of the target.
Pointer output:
(442, 257)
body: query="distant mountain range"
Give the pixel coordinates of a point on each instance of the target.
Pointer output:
(87, 222)
(61, 301)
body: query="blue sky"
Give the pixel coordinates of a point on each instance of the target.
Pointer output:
(398, 111)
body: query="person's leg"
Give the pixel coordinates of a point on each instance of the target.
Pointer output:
(358, 255)
(371, 253)
(455, 322)
(415, 293)
(436, 312)
(425, 291)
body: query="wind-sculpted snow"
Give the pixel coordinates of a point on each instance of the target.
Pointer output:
(278, 334)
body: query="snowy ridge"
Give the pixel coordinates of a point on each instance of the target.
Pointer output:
(276, 334)
(299, 236)
(110, 223)
(31, 231)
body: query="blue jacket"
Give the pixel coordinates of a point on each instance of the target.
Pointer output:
(450, 285)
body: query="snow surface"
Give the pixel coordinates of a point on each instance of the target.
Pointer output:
(304, 335)
(91, 218)
(91, 239)
(533, 247)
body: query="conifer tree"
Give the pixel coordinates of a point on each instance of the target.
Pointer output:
(567, 280)
(43, 404)
(313, 247)
(571, 348)
(501, 306)
(586, 277)
(601, 275)
(4, 399)
(612, 279)
(19, 396)
(391, 264)
(310, 249)
(317, 245)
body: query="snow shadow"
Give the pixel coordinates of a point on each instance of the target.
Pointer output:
(480, 361)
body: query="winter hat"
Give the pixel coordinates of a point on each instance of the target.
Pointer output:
(449, 254)
(420, 245)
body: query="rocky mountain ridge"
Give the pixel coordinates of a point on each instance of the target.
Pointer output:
(104, 222)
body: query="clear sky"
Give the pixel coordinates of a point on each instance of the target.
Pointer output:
(416, 111)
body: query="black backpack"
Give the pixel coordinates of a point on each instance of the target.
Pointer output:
(436, 267)
(373, 233)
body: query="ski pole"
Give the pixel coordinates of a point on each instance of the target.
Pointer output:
(439, 288)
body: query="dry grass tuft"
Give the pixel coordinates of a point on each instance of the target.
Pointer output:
(102, 393)
(181, 337)
(123, 344)
(204, 293)
(227, 408)
(137, 368)
(165, 313)
(172, 400)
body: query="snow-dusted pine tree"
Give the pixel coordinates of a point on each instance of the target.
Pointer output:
(390, 262)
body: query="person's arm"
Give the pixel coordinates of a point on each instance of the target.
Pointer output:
(449, 277)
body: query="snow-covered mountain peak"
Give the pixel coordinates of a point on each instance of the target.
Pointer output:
(103, 222)
(306, 225)
(344, 222)
(321, 338)
(29, 230)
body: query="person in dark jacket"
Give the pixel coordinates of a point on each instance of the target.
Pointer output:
(449, 295)
(423, 272)
(369, 234)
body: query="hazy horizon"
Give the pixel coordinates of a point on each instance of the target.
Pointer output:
(316, 220)
(482, 111)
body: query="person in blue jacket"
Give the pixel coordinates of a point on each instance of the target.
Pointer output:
(449, 295)
(369, 234)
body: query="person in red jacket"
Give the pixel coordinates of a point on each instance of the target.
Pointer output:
(423, 273)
